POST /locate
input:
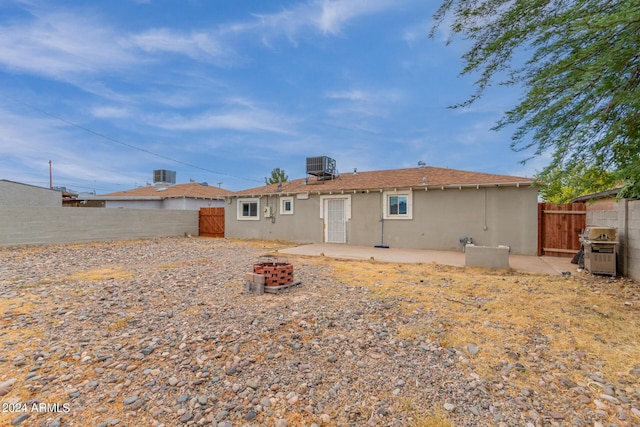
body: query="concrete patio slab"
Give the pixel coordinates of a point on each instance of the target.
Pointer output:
(529, 264)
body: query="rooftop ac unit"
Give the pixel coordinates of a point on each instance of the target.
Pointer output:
(163, 176)
(321, 167)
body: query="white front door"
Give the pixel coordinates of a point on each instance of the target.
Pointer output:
(335, 223)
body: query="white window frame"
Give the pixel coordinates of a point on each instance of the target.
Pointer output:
(386, 204)
(241, 203)
(283, 204)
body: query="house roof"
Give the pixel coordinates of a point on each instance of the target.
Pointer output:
(426, 177)
(599, 195)
(192, 190)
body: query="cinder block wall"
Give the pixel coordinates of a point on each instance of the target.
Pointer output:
(625, 216)
(633, 239)
(16, 194)
(48, 225)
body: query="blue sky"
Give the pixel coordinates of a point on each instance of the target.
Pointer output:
(224, 91)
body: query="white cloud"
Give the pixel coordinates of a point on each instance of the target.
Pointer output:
(239, 120)
(334, 14)
(60, 44)
(198, 45)
(328, 17)
(351, 95)
(418, 32)
(362, 103)
(111, 112)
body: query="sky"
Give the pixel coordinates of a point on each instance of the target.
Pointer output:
(225, 91)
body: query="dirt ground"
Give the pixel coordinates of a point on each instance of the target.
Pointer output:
(104, 330)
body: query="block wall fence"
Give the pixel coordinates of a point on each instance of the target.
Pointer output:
(51, 225)
(625, 216)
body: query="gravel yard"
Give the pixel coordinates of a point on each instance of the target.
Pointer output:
(161, 333)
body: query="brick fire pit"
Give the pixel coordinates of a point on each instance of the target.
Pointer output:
(275, 273)
(271, 277)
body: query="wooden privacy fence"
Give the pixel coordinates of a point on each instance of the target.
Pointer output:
(559, 228)
(211, 223)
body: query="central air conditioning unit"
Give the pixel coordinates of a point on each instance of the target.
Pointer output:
(163, 176)
(322, 167)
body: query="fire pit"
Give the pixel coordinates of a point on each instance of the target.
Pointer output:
(275, 273)
(270, 277)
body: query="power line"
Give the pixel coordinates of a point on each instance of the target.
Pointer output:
(133, 147)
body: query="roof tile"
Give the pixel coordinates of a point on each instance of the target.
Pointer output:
(177, 190)
(388, 179)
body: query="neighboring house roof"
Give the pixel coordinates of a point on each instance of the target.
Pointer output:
(600, 195)
(192, 190)
(426, 177)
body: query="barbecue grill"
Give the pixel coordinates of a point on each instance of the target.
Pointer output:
(600, 248)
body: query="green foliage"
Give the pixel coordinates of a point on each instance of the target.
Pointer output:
(630, 189)
(579, 63)
(277, 176)
(573, 183)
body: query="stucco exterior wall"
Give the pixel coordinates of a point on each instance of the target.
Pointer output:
(303, 226)
(491, 216)
(133, 204)
(16, 194)
(176, 203)
(189, 203)
(47, 225)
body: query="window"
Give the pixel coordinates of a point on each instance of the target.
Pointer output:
(398, 205)
(286, 206)
(248, 209)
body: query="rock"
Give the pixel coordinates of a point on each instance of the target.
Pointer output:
(6, 386)
(472, 349)
(293, 400)
(266, 402)
(19, 419)
(130, 400)
(186, 417)
(449, 407)
(609, 398)
(147, 351)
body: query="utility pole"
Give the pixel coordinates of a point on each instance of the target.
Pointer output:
(50, 177)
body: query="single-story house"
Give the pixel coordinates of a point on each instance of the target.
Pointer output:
(16, 194)
(192, 196)
(421, 208)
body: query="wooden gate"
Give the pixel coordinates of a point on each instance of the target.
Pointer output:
(559, 228)
(211, 222)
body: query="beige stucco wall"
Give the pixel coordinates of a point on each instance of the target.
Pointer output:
(305, 225)
(492, 216)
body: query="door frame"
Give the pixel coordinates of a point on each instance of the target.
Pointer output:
(324, 215)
